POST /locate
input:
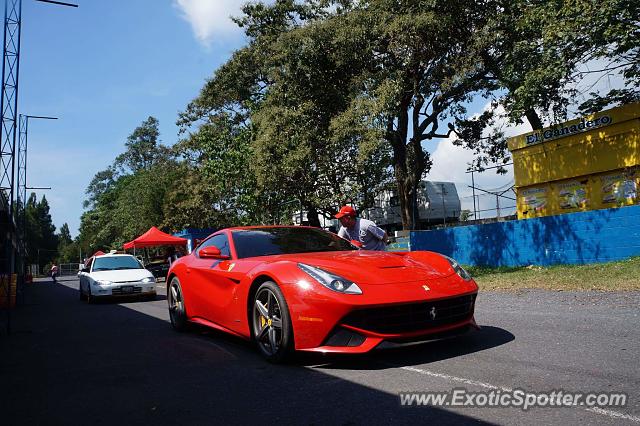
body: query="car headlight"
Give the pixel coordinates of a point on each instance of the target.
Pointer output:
(147, 280)
(104, 282)
(331, 281)
(458, 269)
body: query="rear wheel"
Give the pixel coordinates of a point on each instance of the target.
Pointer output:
(272, 328)
(177, 309)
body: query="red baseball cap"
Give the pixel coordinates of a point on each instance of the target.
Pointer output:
(345, 211)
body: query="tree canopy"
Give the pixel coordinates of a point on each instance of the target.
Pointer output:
(332, 101)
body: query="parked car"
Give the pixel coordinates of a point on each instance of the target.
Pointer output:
(301, 288)
(115, 275)
(158, 269)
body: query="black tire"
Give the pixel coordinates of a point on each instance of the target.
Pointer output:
(271, 323)
(177, 307)
(90, 299)
(82, 296)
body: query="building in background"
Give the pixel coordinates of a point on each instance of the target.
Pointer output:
(438, 203)
(584, 164)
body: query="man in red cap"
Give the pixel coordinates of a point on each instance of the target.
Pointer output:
(362, 230)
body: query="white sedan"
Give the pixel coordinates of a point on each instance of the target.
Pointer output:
(115, 275)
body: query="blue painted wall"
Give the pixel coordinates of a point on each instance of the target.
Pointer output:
(574, 238)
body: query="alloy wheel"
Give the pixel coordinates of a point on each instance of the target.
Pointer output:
(267, 321)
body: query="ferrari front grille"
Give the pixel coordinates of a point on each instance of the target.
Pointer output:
(412, 316)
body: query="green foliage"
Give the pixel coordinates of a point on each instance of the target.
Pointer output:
(271, 116)
(143, 151)
(465, 215)
(40, 238)
(332, 99)
(129, 197)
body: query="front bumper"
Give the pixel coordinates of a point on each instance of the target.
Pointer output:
(129, 289)
(337, 323)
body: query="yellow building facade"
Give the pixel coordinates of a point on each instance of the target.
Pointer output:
(589, 163)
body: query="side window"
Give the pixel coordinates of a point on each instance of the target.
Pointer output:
(90, 265)
(221, 241)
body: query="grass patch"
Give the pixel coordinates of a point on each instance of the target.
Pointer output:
(613, 276)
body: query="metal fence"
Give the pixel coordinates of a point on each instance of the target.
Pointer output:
(66, 269)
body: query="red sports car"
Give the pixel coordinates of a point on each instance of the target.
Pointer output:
(301, 288)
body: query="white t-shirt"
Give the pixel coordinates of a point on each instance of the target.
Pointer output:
(365, 231)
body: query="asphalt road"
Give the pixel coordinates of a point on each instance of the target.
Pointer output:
(67, 362)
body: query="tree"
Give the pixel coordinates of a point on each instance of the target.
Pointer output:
(41, 240)
(539, 48)
(418, 69)
(129, 196)
(143, 150)
(222, 184)
(465, 215)
(68, 249)
(64, 237)
(274, 94)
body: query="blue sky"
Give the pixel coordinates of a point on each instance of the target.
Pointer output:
(103, 68)
(106, 66)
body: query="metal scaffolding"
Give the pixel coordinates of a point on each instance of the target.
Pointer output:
(9, 108)
(13, 236)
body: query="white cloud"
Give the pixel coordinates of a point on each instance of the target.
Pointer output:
(211, 19)
(450, 164)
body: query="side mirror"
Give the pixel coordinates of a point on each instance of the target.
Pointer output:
(84, 270)
(212, 252)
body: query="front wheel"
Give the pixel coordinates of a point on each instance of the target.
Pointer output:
(177, 309)
(272, 328)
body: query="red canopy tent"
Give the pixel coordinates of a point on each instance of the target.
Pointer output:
(155, 237)
(96, 254)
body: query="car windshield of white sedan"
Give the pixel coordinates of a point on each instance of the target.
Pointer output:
(115, 263)
(271, 241)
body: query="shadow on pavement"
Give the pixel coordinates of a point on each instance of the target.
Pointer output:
(68, 362)
(417, 354)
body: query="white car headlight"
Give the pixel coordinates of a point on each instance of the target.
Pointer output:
(104, 282)
(148, 280)
(331, 281)
(458, 269)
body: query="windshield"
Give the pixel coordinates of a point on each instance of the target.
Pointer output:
(270, 241)
(112, 263)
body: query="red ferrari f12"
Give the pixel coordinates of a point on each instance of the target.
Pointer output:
(293, 288)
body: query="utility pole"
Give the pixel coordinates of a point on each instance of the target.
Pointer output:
(444, 209)
(473, 190)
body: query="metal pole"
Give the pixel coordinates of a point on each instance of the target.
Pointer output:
(473, 188)
(444, 209)
(498, 205)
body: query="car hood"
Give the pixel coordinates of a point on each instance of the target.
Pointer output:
(121, 275)
(372, 267)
